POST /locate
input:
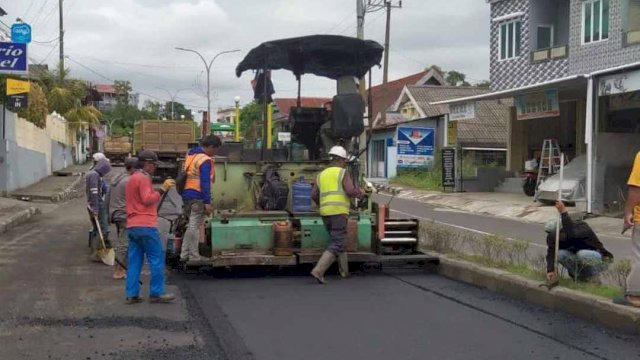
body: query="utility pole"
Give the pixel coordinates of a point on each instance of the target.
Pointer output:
(61, 62)
(360, 10)
(388, 7)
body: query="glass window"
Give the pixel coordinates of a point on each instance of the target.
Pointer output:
(595, 20)
(510, 40)
(545, 37)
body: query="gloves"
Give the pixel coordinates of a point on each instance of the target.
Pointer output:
(168, 184)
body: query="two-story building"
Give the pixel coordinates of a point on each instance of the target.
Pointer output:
(109, 97)
(573, 69)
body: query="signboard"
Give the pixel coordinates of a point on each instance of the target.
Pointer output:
(448, 168)
(619, 84)
(17, 86)
(415, 147)
(462, 111)
(19, 101)
(13, 58)
(452, 133)
(284, 137)
(626, 101)
(538, 105)
(21, 33)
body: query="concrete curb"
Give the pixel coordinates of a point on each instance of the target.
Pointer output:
(70, 192)
(585, 306)
(18, 218)
(394, 190)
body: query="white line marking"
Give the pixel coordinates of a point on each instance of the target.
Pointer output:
(462, 227)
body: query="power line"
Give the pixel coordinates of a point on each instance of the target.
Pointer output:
(29, 8)
(49, 54)
(37, 16)
(339, 23)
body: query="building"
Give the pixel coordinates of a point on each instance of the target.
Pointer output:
(482, 134)
(109, 98)
(573, 69)
(226, 114)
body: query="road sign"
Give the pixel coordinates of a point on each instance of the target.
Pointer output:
(415, 147)
(17, 86)
(448, 168)
(21, 33)
(13, 58)
(452, 133)
(18, 101)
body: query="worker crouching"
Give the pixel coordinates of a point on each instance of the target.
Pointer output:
(332, 191)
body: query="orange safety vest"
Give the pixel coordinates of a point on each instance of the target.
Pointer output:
(193, 172)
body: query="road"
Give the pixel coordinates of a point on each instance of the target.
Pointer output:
(55, 304)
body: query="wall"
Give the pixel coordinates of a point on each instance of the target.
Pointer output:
(614, 157)
(588, 58)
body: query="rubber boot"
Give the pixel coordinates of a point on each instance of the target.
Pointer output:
(343, 265)
(321, 267)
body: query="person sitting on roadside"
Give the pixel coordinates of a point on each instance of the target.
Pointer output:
(580, 250)
(117, 208)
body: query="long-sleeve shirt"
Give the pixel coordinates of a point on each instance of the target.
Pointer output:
(205, 181)
(142, 201)
(578, 236)
(350, 190)
(96, 187)
(116, 204)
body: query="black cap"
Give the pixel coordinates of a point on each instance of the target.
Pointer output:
(147, 155)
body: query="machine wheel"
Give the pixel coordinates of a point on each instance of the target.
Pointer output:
(529, 187)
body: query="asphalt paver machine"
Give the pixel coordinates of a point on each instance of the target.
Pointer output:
(241, 232)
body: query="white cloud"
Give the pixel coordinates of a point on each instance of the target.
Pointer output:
(135, 39)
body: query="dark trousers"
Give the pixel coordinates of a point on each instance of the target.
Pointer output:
(336, 225)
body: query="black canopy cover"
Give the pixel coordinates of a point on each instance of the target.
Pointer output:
(330, 56)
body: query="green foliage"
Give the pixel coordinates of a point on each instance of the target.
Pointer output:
(123, 89)
(178, 110)
(38, 109)
(431, 179)
(250, 118)
(484, 84)
(456, 78)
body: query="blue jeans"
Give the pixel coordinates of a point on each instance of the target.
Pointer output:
(583, 265)
(145, 240)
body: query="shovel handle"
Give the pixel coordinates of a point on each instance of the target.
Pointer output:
(95, 219)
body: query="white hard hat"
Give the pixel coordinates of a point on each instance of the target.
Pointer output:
(98, 156)
(338, 151)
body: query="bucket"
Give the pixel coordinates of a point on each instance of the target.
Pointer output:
(282, 233)
(301, 196)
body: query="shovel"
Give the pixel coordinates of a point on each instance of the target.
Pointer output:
(108, 256)
(550, 284)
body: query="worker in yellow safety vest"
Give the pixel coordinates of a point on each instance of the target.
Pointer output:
(333, 191)
(197, 193)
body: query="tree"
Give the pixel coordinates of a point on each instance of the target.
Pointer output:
(123, 89)
(152, 109)
(37, 110)
(484, 84)
(456, 78)
(250, 116)
(178, 110)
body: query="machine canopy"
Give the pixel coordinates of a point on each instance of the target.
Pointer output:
(329, 56)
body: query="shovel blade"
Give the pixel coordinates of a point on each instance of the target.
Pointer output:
(108, 256)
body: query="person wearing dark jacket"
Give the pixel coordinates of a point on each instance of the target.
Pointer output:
(96, 189)
(197, 193)
(580, 250)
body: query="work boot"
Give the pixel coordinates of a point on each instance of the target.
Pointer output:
(164, 298)
(343, 265)
(321, 267)
(118, 272)
(134, 300)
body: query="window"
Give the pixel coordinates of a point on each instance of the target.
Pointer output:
(595, 21)
(545, 37)
(510, 40)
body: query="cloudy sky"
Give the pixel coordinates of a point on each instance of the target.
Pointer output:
(135, 40)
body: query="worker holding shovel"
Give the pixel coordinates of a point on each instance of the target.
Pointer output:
(96, 189)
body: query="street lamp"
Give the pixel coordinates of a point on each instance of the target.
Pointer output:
(172, 96)
(208, 67)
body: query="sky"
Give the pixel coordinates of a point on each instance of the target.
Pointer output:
(135, 40)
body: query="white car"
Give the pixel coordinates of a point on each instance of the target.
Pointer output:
(573, 182)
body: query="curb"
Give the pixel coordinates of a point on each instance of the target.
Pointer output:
(68, 193)
(585, 306)
(18, 218)
(394, 190)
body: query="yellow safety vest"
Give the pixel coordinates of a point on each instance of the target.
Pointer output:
(333, 200)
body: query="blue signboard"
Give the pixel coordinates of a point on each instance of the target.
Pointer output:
(13, 58)
(21, 33)
(415, 147)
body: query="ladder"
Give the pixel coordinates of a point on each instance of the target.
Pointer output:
(550, 159)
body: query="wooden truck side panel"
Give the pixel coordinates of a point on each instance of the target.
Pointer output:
(163, 137)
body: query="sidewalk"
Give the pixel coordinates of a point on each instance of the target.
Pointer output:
(504, 205)
(26, 203)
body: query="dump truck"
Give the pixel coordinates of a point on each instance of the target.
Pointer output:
(242, 231)
(117, 148)
(169, 139)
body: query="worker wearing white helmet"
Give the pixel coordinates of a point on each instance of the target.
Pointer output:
(332, 191)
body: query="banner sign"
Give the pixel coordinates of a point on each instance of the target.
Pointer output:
(462, 111)
(17, 86)
(452, 133)
(619, 83)
(13, 58)
(18, 101)
(537, 105)
(448, 168)
(415, 147)
(285, 137)
(21, 33)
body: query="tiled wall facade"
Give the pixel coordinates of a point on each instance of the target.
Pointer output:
(583, 59)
